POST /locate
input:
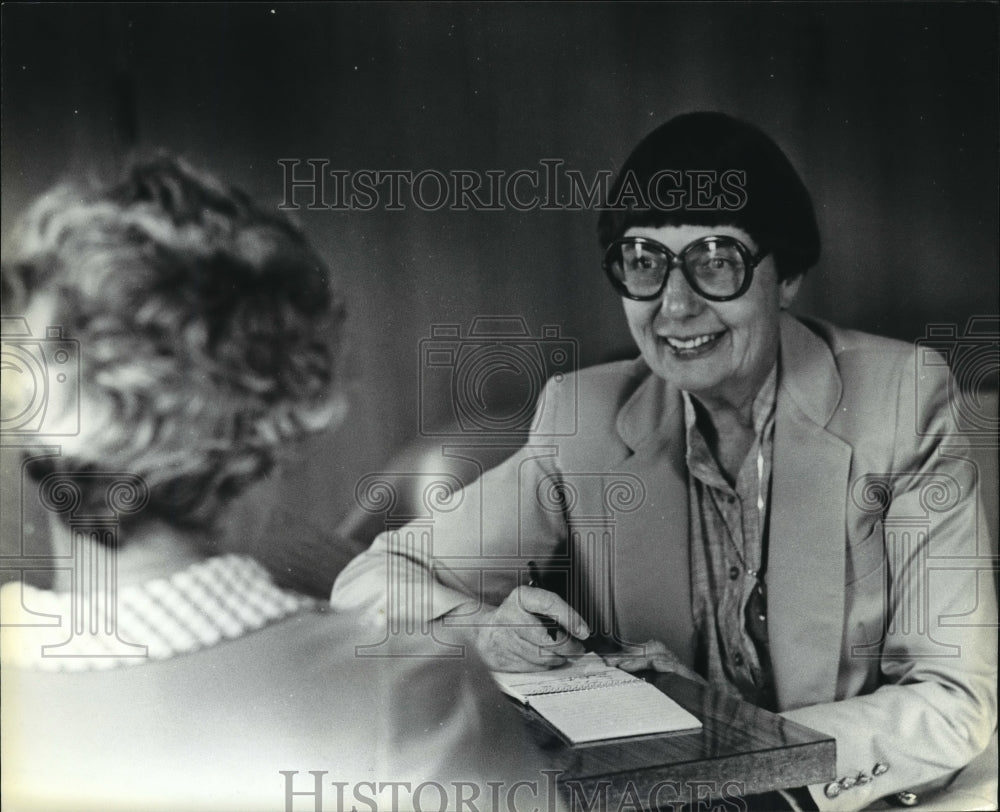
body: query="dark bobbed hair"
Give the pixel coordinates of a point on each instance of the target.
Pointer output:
(777, 210)
(207, 329)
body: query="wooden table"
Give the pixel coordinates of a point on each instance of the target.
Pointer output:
(740, 750)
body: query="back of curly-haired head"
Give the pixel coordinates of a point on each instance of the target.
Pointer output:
(207, 330)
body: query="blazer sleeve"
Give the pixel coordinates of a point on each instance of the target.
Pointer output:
(934, 706)
(472, 546)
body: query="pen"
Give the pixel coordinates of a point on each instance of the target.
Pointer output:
(551, 625)
(534, 576)
(535, 580)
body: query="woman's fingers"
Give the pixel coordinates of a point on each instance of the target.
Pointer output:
(651, 654)
(549, 605)
(532, 629)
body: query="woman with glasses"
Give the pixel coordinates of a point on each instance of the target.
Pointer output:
(759, 499)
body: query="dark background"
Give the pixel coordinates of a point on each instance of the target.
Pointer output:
(889, 111)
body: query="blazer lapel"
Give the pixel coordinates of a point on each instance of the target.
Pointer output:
(805, 576)
(652, 587)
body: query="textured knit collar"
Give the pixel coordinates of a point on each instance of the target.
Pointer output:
(213, 600)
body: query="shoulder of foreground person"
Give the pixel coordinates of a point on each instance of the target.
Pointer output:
(238, 725)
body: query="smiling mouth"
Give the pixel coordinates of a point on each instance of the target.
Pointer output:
(695, 345)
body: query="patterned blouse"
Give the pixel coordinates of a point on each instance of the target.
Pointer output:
(729, 555)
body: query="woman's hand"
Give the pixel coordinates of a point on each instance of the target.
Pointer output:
(651, 654)
(516, 635)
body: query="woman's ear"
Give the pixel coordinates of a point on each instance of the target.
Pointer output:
(13, 289)
(787, 291)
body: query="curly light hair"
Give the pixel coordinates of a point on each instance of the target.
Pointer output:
(207, 328)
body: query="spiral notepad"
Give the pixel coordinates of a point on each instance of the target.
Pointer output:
(588, 701)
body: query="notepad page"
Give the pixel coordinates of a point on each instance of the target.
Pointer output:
(583, 673)
(612, 711)
(588, 700)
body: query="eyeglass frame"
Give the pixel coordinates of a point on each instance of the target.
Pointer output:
(749, 261)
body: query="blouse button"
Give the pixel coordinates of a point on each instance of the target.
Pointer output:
(880, 769)
(832, 790)
(734, 573)
(738, 658)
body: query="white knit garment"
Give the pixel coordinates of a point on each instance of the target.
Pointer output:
(217, 599)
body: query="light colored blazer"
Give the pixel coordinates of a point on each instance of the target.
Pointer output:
(881, 604)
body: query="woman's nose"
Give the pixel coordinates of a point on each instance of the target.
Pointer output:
(679, 299)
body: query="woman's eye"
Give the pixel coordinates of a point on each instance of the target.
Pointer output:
(641, 263)
(717, 264)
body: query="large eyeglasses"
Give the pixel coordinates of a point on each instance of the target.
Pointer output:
(717, 267)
